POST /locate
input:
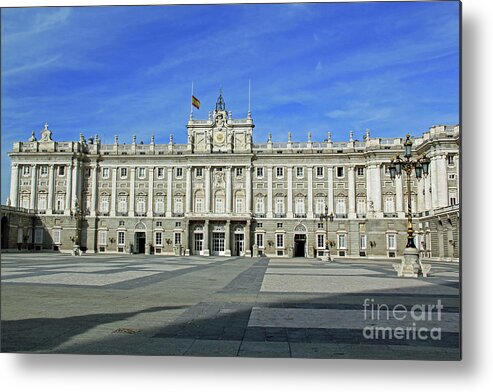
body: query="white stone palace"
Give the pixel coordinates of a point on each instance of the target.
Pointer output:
(221, 194)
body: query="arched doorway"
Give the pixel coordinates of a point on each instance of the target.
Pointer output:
(5, 232)
(299, 241)
(140, 238)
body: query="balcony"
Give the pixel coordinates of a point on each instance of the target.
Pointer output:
(363, 216)
(389, 215)
(341, 215)
(257, 215)
(141, 214)
(120, 213)
(279, 215)
(58, 212)
(178, 214)
(300, 215)
(159, 214)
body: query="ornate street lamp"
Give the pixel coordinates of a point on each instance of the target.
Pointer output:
(421, 167)
(77, 214)
(326, 216)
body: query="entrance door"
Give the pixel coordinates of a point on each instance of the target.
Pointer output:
(218, 244)
(140, 242)
(5, 233)
(299, 245)
(239, 245)
(199, 243)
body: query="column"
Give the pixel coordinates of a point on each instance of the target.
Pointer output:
(188, 195)
(228, 189)
(434, 182)
(457, 176)
(51, 189)
(208, 189)
(310, 193)
(442, 180)
(269, 192)
(399, 206)
(290, 192)
(131, 205)
(68, 195)
(421, 198)
(427, 193)
(113, 192)
(169, 192)
(369, 200)
(14, 185)
(227, 238)
(206, 238)
(248, 188)
(75, 184)
(248, 252)
(351, 193)
(34, 179)
(150, 198)
(376, 187)
(330, 189)
(94, 189)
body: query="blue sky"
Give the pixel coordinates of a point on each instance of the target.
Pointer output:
(389, 67)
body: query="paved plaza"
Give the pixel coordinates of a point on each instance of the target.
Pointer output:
(216, 306)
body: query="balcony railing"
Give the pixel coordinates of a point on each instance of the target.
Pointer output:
(178, 214)
(58, 212)
(300, 215)
(159, 214)
(257, 215)
(279, 215)
(341, 215)
(360, 215)
(119, 213)
(389, 215)
(141, 214)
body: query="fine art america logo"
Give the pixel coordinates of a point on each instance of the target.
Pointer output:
(401, 322)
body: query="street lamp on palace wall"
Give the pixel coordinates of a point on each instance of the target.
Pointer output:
(410, 265)
(326, 216)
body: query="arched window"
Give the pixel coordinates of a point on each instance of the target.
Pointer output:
(219, 200)
(199, 201)
(239, 202)
(259, 204)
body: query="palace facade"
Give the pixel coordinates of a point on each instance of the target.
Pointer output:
(221, 194)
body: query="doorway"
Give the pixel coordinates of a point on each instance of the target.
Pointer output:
(140, 242)
(218, 244)
(198, 243)
(299, 245)
(5, 233)
(239, 247)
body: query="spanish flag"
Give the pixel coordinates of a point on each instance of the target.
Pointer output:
(195, 102)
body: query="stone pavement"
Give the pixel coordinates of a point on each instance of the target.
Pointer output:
(216, 306)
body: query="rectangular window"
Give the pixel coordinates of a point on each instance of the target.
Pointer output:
(239, 171)
(179, 172)
(177, 224)
(259, 238)
(280, 205)
(178, 205)
(177, 238)
(279, 172)
(320, 240)
(159, 224)
(122, 204)
(320, 225)
(159, 238)
(299, 172)
(121, 238)
(38, 235)
(160, 204)
(105, 172)
(259, 205)
(453, 201)
(280, 240)
(160, 172)
(451, 176)
(57, 236)
(340, 171)
(43, 170)
(61, 171)
(360, 171)
(199, 203)
(103, 236)
(26, 170)
(42, 202)
(341, 241)
(260, 172)
(320, 171)
(279, 225)
(123, 172)
(104, 204)
(239, 205)
(362, 241)
(319, 205)
(391, 244)
(142, 172)
(450, 160)
(198, 172)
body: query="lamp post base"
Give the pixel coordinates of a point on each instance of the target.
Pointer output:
(76, 251)
(326, 256)
(410, 266)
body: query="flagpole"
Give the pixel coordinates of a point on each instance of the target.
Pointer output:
(191, 99)
(249, 99)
